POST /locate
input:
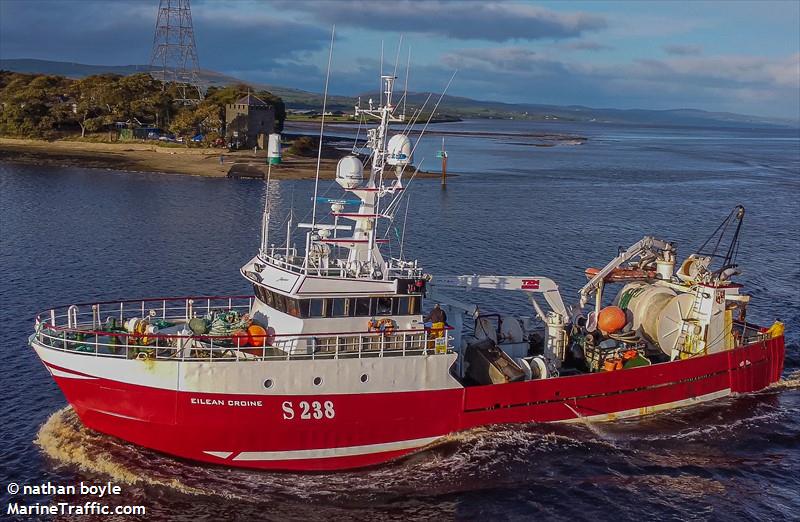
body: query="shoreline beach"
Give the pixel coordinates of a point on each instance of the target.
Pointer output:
(146, 157)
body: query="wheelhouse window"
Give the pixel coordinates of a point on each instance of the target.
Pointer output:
(400, 306)
(293, 307)
(317, 308)
(339, 306)
(279, 302)
(382, 305)
(362, 307)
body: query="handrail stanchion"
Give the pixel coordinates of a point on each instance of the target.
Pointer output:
(121, 312)
(52, 317)
(143, 310)
(164, 310)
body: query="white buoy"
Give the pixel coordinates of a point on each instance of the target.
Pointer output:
(274, 149)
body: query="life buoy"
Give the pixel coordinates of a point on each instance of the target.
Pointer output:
(386, 326)
(623, 274)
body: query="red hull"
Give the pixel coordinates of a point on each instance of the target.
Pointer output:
(372, 428)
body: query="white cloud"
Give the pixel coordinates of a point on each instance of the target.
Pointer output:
(723, 82)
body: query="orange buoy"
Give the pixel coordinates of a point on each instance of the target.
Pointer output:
(630, 354)
(240, 338)
(611, 319)
(257, 335)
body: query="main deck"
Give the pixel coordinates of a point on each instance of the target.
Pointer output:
(97, 329)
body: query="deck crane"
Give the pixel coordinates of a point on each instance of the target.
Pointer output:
(648, 249)
(555, 320)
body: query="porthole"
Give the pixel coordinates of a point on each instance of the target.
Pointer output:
(268, 383)
(364, 377)
(317, 381)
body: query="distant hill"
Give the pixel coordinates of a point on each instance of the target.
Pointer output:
(453, 106)
(82, 70)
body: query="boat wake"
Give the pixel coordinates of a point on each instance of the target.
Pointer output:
(65, 440)
(791, 382)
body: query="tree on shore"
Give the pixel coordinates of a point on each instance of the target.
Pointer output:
(46, 106)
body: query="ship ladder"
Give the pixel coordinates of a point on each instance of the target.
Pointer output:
(687, 343)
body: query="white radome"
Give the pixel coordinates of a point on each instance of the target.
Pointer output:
(349, 172)
(399, 150)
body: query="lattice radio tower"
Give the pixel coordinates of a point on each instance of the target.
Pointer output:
(174, 58)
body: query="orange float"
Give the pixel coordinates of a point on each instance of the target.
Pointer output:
(611, 319)
(257, 335)
(240, 338)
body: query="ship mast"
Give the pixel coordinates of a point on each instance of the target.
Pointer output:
(364, 259)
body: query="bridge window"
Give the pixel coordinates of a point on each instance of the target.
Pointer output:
(382, 305)
(269, 299)
(400, 306)
(293, 307)
(279, 302)
(341, 307)
(317, 308)
(362, 307)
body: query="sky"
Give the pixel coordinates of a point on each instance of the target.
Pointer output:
(735, 56)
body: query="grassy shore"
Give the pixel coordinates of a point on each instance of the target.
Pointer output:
(146, 157)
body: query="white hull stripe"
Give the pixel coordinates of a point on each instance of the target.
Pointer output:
(58, 373)
(119, 415)
(219, 454)
(325, 453)
(645, 410)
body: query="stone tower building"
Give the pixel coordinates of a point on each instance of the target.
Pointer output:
(249, 122)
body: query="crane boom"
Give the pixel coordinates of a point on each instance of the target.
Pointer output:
(531, 284)
(646, 245)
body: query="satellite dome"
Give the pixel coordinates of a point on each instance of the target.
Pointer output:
(349, 172)
(399, 150)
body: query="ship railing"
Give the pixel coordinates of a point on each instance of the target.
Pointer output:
(337, 266)
(229, 348)
(749, 333)
(74, 329)
(181, 309)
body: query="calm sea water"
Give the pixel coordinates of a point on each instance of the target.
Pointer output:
(79, 235)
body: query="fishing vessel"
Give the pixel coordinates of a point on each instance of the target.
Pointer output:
(337, 359)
